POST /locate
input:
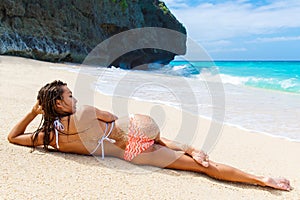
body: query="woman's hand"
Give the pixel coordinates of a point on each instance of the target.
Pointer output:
(201, 157)
(198, 155)
(37, 109)
(17, 135)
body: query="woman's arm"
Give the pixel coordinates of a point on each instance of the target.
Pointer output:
(105, 116)
(196, 154)
(100, 114)
(17, 135)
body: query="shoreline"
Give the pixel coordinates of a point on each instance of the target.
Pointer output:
(76, 69)
(224, 123)
(41, 175)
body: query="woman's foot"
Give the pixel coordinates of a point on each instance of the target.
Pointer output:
(278, 183)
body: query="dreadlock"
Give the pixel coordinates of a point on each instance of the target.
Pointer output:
(47, 97)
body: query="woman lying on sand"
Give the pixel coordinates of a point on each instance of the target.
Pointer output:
(91, 131)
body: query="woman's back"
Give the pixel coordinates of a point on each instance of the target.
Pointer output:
(83, 130)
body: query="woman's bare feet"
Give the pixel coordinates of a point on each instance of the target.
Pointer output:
(277, 183)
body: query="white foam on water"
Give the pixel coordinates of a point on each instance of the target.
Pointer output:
(258, 110)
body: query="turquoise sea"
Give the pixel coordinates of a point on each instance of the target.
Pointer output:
(260, 96)
(273, 75)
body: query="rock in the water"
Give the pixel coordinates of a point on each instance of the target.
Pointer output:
(67, 30)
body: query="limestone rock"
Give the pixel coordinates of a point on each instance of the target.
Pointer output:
(68, 30)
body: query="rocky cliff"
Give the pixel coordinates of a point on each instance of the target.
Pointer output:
(67, 30)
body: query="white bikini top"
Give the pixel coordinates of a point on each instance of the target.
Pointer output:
(59, 126)
(104, 137)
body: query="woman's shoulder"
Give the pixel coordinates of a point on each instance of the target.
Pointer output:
(85, 111)
(91, 112)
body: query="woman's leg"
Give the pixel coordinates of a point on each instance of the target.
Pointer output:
(164, 157)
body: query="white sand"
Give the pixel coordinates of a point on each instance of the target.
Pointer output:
(50, 175)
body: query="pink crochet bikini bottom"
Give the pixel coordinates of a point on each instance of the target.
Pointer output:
(137, 140)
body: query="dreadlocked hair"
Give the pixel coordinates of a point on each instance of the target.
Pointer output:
(47, 97)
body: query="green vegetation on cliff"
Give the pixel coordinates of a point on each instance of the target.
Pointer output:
(122, 3)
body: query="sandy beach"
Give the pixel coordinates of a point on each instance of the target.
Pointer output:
(54, 175)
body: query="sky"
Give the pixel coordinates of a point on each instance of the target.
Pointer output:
(242, 29)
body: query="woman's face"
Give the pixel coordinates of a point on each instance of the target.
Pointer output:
(68, 103)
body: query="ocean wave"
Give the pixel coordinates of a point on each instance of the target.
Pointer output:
(188, 70)
(284, 85)
(184, 70)
(274, 114)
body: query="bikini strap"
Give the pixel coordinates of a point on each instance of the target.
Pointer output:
(104, 137)
(57, 126)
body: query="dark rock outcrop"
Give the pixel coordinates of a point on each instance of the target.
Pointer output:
(67, 30)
